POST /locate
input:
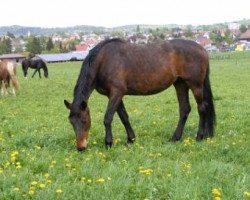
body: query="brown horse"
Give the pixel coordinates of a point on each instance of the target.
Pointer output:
(7, 74)
(116, 68)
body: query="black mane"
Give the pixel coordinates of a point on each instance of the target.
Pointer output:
(82, 90)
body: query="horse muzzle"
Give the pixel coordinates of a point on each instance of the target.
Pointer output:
(81, 141)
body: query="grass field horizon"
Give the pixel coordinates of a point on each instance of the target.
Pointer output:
(38, 158)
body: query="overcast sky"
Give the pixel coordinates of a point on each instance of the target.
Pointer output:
(111, 13)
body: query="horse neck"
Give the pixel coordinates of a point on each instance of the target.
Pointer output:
(84, 86)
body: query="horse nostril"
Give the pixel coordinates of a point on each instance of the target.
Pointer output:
(81, 149)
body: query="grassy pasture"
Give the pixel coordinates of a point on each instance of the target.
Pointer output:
(38, 159)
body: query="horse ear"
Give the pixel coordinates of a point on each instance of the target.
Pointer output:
(67, 104)
(83, 105)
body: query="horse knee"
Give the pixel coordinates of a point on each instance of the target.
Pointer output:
(107, 121)
(202, 107)
(187, 110)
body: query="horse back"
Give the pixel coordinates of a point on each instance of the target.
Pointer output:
(151, 68)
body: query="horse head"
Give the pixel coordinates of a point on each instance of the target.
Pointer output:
(81, 122)
(25, 66)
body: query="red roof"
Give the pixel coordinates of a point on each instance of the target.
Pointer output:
(203, 41)
(82, 47)
(245, 35)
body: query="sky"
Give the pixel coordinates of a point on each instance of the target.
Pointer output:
(112, 13)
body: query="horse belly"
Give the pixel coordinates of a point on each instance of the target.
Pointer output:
(147, 85)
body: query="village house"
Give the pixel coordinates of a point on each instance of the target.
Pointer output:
(245, 36)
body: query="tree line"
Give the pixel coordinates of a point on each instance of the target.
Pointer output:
(35, 44)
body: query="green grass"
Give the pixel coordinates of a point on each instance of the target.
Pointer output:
(38, 159)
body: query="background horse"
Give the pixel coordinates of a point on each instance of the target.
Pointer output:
(8, 76)
(36, 64)
(116, 68)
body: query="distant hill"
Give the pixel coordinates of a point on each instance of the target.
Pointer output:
(23, 30)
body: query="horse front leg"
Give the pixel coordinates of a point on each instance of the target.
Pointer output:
(34, 73)
(115, 98)
(184, 108)
(122, 113)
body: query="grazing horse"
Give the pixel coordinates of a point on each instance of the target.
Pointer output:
(7, 74)
(116, 68)
(36, 64)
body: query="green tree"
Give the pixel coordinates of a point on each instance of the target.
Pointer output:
(243, 28)
(33, 45)
(228, 37)
(49, 44)
(188, 32)
(216, 37)
(5, 46)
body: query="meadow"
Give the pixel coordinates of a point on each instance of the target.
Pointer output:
(38, 158)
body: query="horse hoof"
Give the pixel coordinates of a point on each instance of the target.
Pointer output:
(81, 150)
(108, 145)
(199, 138)
(173, 140)
(130, 140)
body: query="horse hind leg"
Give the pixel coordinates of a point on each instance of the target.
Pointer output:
(122, 113)
(4, 88)
(184, 108)
(201, 107)
(15, 85)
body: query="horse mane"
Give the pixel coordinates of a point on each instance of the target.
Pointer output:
(82, 89)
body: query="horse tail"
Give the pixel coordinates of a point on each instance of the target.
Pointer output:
(11, 67)
(87, 74)
(210, 116)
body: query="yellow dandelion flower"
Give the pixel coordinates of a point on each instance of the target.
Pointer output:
(53, 162)
(46, 175)
(32, 188)
(216, 192)
(100, 180)
(18, 167)
(14, 153)
(83, 179)
(13, 159)
(49, 181)
(217, 198)
(16, 189)
(37, 147)
(59, 191)
(89, 181)
(246, 194)
(7, 164)
(31, 192)
(33, 183)
(42, 185)
(146, 171)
